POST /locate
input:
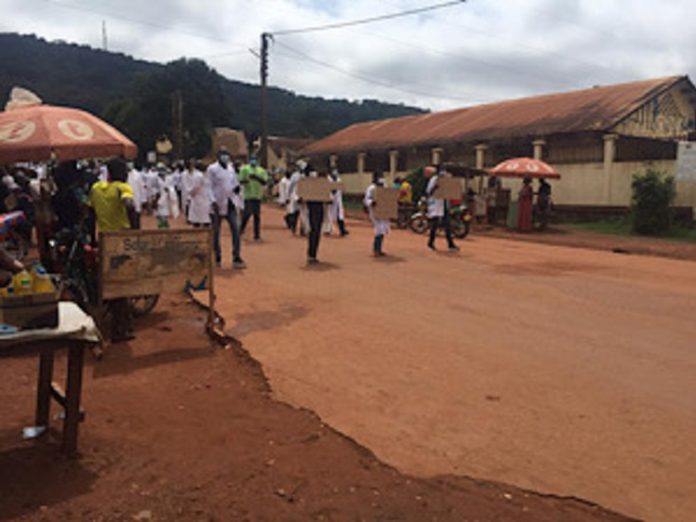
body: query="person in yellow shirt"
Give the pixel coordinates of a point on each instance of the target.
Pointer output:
(112, 202)
(405, 191)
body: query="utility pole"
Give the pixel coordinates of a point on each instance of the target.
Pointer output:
(178, 123)
(105, 42)
(265, 37)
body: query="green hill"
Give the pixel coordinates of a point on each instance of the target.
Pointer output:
(137, 95)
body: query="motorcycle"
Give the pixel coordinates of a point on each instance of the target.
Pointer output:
(404, 216)
(460, 220)
(459, 215)
(418, 221)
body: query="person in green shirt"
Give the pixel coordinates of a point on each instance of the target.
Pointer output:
(253, 178)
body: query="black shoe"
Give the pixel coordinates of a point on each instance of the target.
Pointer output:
(238, 264)
(312, 261)
(453, 248)
(431, 246)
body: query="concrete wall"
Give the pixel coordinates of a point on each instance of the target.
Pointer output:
(580, 184)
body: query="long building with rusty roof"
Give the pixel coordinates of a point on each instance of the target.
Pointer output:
(596, 137)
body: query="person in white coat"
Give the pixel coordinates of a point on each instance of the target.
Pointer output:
(284, 198)
(336, 211)
(380, 226)
(227, 201)
(167, 200)
(187, 178)
(137, 184)
(294, 207)
(200, 198)
(438, 210)
(151, 178)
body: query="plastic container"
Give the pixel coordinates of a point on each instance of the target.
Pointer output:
(41, 280)
(22, 283)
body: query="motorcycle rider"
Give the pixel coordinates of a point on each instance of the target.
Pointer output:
(438, 209)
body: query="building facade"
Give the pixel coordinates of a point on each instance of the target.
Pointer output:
(597, 138)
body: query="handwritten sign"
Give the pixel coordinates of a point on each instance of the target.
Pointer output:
(387, 200)
(448, 188)
(315, 189)
(141, 262)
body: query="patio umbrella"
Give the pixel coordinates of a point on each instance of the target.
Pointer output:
(524, 168)
(44, 132)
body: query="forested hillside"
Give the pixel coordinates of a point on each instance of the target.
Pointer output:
(137, 95)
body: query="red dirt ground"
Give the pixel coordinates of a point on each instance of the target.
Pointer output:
(178, 429)
(561, 370)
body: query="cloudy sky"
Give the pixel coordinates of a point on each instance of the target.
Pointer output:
(474, 52)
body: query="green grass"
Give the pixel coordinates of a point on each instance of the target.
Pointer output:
(622, 227)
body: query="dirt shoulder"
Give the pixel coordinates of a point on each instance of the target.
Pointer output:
(179, 429)
(568, 236)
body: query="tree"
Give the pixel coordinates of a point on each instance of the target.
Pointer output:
(149, 109)
(653, 196)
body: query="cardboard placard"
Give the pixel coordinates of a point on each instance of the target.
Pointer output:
(448, 188)
(142, 262)
(387, 200)
(315, 189)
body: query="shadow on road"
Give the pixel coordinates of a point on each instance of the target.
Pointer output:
(34, 478)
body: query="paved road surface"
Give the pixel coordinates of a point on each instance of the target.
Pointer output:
(560, 370)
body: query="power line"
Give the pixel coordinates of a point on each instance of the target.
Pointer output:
(369, 79)
(372, 19)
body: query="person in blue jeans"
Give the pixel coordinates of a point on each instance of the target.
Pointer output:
(226, 201)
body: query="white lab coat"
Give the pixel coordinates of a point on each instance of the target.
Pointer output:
(283, 191)
(293, 199)
(336, 210)
(187, 180)
(151, 183)
(380, 226)
(137, 184)
(200, 198)
(223, 182)
(436, 207)
(168, 202)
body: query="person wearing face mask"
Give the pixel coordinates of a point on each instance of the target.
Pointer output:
(315, 219)
(294, 207)
(226, 199)
(253, 178)
(438, 210)
(380, 226)
(336, 211)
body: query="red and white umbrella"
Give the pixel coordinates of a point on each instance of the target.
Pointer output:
(44, 132)
(524, 168)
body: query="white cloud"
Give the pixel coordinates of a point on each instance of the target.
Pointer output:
(483, 50)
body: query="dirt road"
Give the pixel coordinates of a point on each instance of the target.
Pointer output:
(179, 430)
(560, 370)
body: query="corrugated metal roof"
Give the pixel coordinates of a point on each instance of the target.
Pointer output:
(595, 109)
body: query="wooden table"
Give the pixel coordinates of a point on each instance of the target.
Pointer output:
(75, 333)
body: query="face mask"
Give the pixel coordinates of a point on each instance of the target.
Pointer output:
(380, 182)
(224, 158)
(252, 163)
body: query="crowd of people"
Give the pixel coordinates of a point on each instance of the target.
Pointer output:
(114, 195)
